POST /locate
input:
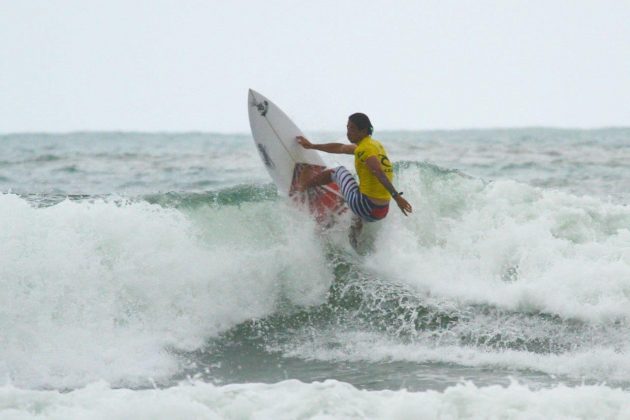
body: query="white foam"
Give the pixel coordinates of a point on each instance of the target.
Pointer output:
(593, 363)
(326, 400)
(509, 245)
(104, 290)
(518, 248)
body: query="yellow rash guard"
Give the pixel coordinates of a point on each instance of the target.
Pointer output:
(369, 184)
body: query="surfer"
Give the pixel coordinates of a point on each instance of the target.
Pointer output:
(369, 198)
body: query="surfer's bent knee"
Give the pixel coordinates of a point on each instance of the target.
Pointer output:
(360, 204)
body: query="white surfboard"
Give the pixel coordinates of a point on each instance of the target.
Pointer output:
(288, 163)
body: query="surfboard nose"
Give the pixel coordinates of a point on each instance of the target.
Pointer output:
(254, 97)
(251, 98)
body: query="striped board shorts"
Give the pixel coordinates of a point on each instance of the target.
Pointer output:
(358, 203)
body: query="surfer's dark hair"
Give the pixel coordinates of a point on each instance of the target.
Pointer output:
(362, 122)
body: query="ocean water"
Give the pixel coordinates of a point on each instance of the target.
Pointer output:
(160, 275)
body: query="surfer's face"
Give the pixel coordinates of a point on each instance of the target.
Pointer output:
(354, 134)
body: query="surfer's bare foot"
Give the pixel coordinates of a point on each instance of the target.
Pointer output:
(322, 178)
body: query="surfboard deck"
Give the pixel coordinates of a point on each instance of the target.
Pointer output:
(288, 163)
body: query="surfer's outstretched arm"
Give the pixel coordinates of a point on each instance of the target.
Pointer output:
(375, 167)
(339, 148)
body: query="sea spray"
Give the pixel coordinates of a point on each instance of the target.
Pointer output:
(104, 289)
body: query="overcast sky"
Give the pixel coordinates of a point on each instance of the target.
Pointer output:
(184, 65)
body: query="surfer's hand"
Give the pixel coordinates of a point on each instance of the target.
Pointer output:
(403, 204)
(303, 141)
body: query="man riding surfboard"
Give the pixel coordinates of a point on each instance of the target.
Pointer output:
(369, 198)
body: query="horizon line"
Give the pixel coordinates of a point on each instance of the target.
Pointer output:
(389, 130)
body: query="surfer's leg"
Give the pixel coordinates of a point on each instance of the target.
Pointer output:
(350, 191)
(359, 205)
(347, 184)
(355, 231)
